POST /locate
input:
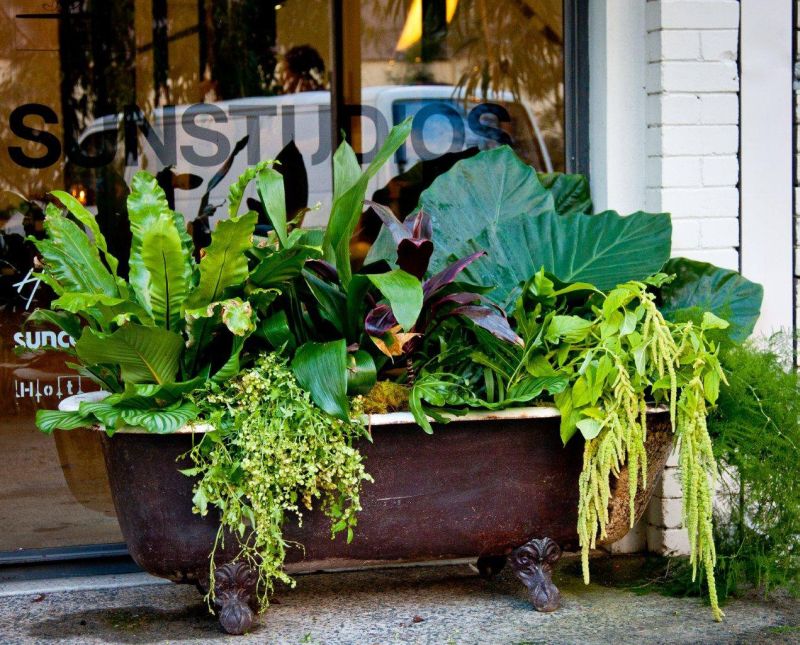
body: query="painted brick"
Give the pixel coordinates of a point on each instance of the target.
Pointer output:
(719, 45)
(667, 541)
(682, 76)
(634, 542)
(725, 258)
(673, 109)
(711, 14)
(700, 202)
(669, 486)
(719, 109)
(685, 233)
(674, 171)
(666, 513)
(693, 140)
(673, 45)
(673, 459)
(720, 171)
(719, 233)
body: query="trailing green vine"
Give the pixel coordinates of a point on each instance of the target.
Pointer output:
(673, 361)
(602, 356)
(273, 454)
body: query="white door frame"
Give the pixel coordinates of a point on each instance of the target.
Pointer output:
(766, 157)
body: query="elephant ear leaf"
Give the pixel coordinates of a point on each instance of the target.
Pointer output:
(321, 369)
(170, 271)
(700, 287)
(475, 194)
(144, 354)
(570, 192)
(604, 250)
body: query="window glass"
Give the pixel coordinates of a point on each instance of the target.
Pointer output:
(473, 74)
(194, 91)
(90, 92)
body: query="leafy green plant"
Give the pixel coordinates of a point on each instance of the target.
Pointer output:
(756, 438)
(493, 202)
(155, 336)
(273, 455)
(602, 355)
(340, 326)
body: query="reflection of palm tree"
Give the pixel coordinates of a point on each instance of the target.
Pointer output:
(495, 46)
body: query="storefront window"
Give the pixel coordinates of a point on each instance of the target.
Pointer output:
(194, 91)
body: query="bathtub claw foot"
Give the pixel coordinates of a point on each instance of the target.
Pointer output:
(490, 565)
(533, 564)
(234, 594)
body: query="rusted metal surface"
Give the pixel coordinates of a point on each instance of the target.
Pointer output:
(469, 490)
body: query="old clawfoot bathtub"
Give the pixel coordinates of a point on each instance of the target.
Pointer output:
(486, 486)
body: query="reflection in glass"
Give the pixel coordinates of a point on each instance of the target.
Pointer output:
(194, 91)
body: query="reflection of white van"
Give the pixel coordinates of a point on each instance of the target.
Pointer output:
(197, 138)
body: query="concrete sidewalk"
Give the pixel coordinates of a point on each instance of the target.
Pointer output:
(433, 605)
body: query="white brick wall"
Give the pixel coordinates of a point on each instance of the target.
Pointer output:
(693, 124)
(692, 170)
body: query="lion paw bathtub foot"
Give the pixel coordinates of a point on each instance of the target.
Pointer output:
(234, 596)
(490, 565)
(533, 564)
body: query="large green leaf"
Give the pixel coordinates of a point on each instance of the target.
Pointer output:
(223, 267)
(154, 395)
(71, 259)
(347, 205)
(276, 331)
(404, 293)
(361, 372)
(331, 302)
(346, 170)
(570, 192)
(282, 265)
(604, 250)
(146, 205)
(699, 287)
(49, 420)
(170, 271)
(66, 321)
(232, 366)
(104, 309)
(237, 188)
(161, 421)
(144, 354)
(476, 193)
(224, 264)
(88, 220)
(273, 197)
(321, 369)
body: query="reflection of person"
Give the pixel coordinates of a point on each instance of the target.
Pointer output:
(301, 70)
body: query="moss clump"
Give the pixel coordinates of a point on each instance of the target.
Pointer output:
(386, 396)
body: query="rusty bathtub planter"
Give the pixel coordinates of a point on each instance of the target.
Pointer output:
(485, 486)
